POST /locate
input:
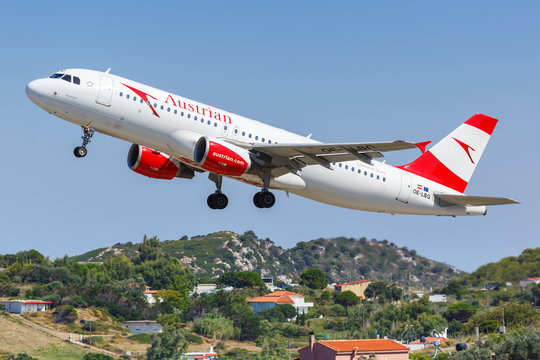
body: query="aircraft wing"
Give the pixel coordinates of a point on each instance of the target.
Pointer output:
(467, 200)
(296, 156)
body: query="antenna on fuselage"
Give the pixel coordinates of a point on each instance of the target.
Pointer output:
(108, 71)
(309, 136)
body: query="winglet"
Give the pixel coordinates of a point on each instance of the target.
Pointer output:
(422, 145)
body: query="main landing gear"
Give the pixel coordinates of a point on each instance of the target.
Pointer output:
(80, 151)
(217, 200)
(264, 199)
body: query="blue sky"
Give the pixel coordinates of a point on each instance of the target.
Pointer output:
(344, 71)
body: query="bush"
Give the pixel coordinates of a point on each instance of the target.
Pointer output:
(96, 340)
(337, 310)
(194, 339)
(289, 330)
(75, 300)
(96, 356)
(64, 314)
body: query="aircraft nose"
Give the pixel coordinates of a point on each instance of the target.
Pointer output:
(35, 89)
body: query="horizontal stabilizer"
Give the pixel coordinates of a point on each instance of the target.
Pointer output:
(467, 200)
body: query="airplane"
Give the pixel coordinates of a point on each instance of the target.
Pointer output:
(174, 136)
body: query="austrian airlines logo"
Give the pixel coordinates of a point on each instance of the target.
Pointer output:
(466, 148)
(143, 96)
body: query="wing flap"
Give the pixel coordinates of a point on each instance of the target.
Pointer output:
(468, 200)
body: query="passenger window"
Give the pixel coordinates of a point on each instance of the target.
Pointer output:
(121, 94)
(262, 140)
(249, 136)
(365, 173)
(168, 109)
(371, 174)
(352, 169)
(162, 107)
(243, 133)
(340, 165)
(142, 101)
(202, 120)
(208, 123)
(269, 141)
(256, 137)
(76, 80)
(347, 167)
(175, 112)
(215, 124)
(189, 115)
(377, 177)
(383, 179)
(182, 113)
(134, 98)
(195, 117)
(359, 171)
(155, 105)
(127, 96)
(67, 78)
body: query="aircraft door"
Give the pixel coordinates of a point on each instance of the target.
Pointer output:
(225, 129)
(405, 189)
(105, 91)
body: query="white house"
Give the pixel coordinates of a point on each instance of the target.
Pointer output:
(150, 295)
(210, 355)
(533, 280)
(279, 298)
(142, 326)
(437, 298)
(204, 289)
(21, 306)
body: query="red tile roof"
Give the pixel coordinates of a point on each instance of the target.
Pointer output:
(431, 339)
(534, 279)
(362, 345)
(354, 282)
(150, 292)
(278, 297)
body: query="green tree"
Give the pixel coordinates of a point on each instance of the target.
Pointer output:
(248, 279)
(168, 344)
(215, 326)
(149, 250)
(459, 311)
(119, 267)
(347, 299)
(314, 279)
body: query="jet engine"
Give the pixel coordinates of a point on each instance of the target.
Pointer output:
(157, 165)
(223, 158)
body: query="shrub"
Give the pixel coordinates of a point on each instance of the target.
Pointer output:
(64, 314)
(141, 338)
(194, 339)
(95, 340)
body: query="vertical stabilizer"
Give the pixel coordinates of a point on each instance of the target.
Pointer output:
(451, 162)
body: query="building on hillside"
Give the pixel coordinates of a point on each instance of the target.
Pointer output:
(382, 349)
(150, 295)
(142, 326)
(532, 280)
(281, 297)
(430, 341)
(210, 355)
(269, 282)
(357, 287)
(22, 306)
(204, 289)
(437, 298)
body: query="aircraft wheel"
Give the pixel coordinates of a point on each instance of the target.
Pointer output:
(267, 199)
(257, 200)
(80, 151)
(221, 201)
(210, 201)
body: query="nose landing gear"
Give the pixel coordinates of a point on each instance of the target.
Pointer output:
(80, 151)
(217, 200)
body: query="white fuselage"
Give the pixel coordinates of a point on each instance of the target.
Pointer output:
(109, 104)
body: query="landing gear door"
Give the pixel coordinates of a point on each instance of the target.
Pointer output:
(405, 189)
(105, 91)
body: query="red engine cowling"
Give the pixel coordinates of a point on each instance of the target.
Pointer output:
(154, 164)
(221, 157)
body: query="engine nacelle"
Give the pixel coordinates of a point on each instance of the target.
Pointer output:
(221, 157)
(154, 164)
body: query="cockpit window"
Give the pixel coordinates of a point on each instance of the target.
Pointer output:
(56, 76)
(67, 78)
(76, 80)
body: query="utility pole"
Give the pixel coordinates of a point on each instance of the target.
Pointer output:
(289, 349)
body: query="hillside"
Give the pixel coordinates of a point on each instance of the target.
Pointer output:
(342, 259)
(511, 269)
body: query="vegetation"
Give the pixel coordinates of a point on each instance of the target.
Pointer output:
(340, 259)
(92, 298)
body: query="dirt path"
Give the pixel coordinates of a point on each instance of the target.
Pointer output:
(64, 336)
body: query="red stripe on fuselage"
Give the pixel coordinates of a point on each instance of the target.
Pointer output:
(485, 123)
(429, 167)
